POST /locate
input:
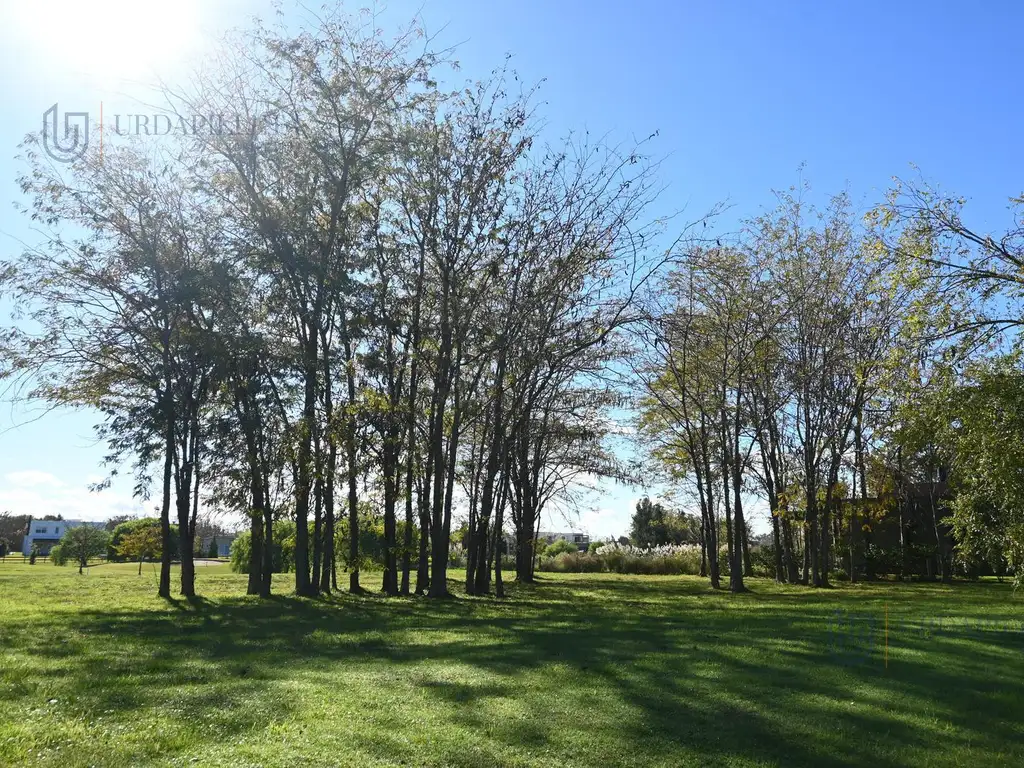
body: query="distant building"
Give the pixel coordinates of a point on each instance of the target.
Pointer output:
(581, 540)
(223, 541)
(45, 533)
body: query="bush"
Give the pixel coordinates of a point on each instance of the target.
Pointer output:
(670, 560)
(57, 555)
(762, 560)
(882, 561)
(571, 562)
(556, 548)
(723, 562)
(457, 559)
(283, 548)
(371, 539)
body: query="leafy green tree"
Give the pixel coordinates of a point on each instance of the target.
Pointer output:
(980, 428)
(647, 520)
(12, 529)
(140, 542)
(653, 525)
(83, 542)
(134, 525)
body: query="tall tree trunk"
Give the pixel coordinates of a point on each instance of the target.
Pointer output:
(407, 538)
(353, 469)
(497, 447)
(390, 472)
(447, 375)
(729, 537)
(708, 500)
(411, 426)
(165, 503)
(328, 571)
(423, 565)
(304, 479)
(807, 536)
(499, 527)
(439, 564)
(183, 500)
(246, 408)
(469, 543)
(777, 547)
(318, 512)
(789, 552)
(703, 544)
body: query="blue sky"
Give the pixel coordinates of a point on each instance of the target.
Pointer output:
(741, 93)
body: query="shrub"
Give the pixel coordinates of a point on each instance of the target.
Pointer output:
(457, 559)
(57, 555)
(669, 560)
(882, 561)
(571, 562)
(556, 548)
(723, 562)
(371, 539)
(283, 548)
(762, 560)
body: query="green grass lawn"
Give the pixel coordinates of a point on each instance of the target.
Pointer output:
(588, 670)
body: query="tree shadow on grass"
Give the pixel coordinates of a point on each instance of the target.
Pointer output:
(664, 670)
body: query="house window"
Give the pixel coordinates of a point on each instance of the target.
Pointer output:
(41, 530)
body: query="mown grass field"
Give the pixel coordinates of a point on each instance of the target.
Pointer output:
(588, 670)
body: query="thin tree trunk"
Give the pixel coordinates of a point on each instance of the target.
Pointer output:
(165, 503)
(350, 455)
(328, 577)
(777, 548)
(304, 479)
(318, 512)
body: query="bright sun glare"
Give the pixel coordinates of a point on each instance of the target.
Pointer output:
(111, 40)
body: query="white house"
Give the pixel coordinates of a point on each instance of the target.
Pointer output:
(581, 540)
(45, 533)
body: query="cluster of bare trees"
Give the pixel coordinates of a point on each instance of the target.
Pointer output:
(760, 361)
(375, 289)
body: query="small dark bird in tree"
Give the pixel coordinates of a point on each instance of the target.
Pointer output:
(718, 242)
